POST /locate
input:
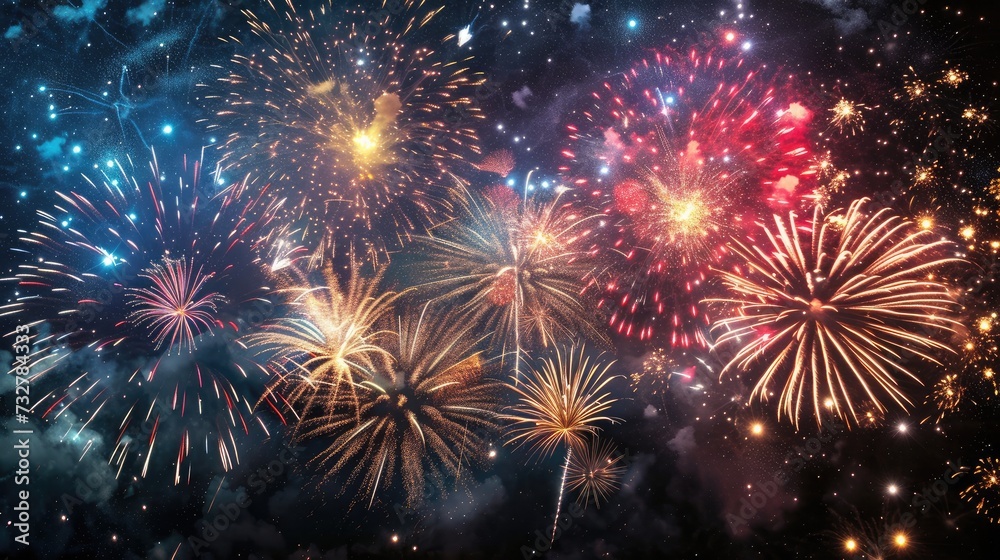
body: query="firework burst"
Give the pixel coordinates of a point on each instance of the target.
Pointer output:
(330, 343)
(848, 116)
(657, 369)
(559, 405)
(831, 311)
(946, 396)
(175, 306)
(105, 246)
(517, 269)
(560, 402)
(425, 411)
(984, 490)
(364, 126)
(133, 268)
(594, 472)
(665, 151)
(980, 353)
(677, 217)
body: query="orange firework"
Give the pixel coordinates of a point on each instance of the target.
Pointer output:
(984, 490)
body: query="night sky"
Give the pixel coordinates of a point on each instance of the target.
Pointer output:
(545, 91)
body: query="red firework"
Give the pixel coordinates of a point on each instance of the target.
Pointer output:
(679, 152)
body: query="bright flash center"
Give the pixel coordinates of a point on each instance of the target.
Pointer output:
(688, 215)
(365, 143)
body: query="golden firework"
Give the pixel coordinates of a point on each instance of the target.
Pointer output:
(515, 268)
(330, 342)
(847, 116)
(953, 77)
(594, 472)
(984, 490)
(560, 403)
(831, 312)
(423, 413)
(981, 353)
(975, 115)
(994, 188)
(947, 396)
(657, 369)
(362, 124)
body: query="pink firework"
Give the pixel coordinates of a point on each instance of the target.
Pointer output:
(175, 306)
(679, 153)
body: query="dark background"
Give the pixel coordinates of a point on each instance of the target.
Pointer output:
(690, 458)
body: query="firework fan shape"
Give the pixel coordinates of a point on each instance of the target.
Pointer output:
(423, 414)
(134, 270)
(516, 268)
(594, 472)
(665, 151)
(365, 126)
(331, 342)
(560, 402)
(984, 490)
(828, 311)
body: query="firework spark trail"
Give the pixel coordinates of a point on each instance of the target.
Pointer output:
(562, 488)
(832, 312)
(560, 405)
(340, 105)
